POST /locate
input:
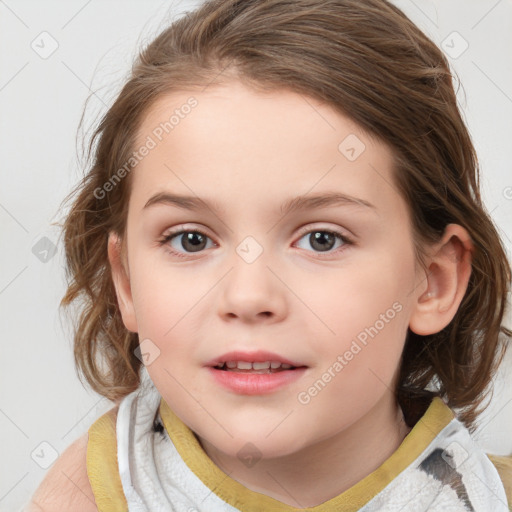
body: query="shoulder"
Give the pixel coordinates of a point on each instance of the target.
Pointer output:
(66, 486)
(503, 464)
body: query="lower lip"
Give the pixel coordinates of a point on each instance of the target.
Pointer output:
(255, 383)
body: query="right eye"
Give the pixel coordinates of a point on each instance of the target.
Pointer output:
(189, 241)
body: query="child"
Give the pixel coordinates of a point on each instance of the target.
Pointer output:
(288, 280)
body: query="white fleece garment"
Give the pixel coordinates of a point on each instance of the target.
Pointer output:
(452, 474)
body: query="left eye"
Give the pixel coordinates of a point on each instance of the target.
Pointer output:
(322, 240)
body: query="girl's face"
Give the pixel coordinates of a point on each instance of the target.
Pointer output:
(293, 245)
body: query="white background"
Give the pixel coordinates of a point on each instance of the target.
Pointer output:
(41, 101)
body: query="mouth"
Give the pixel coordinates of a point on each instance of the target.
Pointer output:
(255, 373)
(262, 367)
(259, 373)
(260, 362)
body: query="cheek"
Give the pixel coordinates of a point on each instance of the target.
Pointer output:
(369, 316)
(357, 297)
(169, 308)
(157, 294)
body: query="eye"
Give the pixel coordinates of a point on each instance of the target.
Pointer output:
(189, 241)
(324, 240)
(184, 242)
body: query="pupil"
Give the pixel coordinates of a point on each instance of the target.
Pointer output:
(322, 240)
(195, 239)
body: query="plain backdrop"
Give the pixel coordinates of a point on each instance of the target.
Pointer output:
(53, 56)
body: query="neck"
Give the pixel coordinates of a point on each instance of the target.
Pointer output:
(334, 464)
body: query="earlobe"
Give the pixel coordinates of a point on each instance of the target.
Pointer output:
(121, 279)
(446, 281)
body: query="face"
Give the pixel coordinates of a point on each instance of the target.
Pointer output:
(294, 248)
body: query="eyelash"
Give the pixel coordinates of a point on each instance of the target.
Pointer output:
(303, 231)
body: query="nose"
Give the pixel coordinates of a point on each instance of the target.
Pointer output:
(253, 292)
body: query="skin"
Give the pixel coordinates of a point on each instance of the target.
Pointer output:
(249, 152)
(66, 486)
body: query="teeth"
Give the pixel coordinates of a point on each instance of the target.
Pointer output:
(246, 365)
(261, 366)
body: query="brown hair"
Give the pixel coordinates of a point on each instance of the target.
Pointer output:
(370, 62)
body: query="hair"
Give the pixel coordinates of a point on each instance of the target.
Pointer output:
(367, 60)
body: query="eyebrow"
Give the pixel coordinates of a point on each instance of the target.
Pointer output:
(292, 205)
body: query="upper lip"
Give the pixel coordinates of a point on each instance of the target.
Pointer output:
(252, 357)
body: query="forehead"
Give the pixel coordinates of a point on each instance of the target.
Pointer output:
(239, 105)
(231, 139)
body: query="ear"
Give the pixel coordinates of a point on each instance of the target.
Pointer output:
(446, 281)
(121, 279)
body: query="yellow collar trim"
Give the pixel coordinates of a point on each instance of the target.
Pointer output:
(101, 463)
(436, 417)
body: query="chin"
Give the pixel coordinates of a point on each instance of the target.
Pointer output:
(256, 443)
